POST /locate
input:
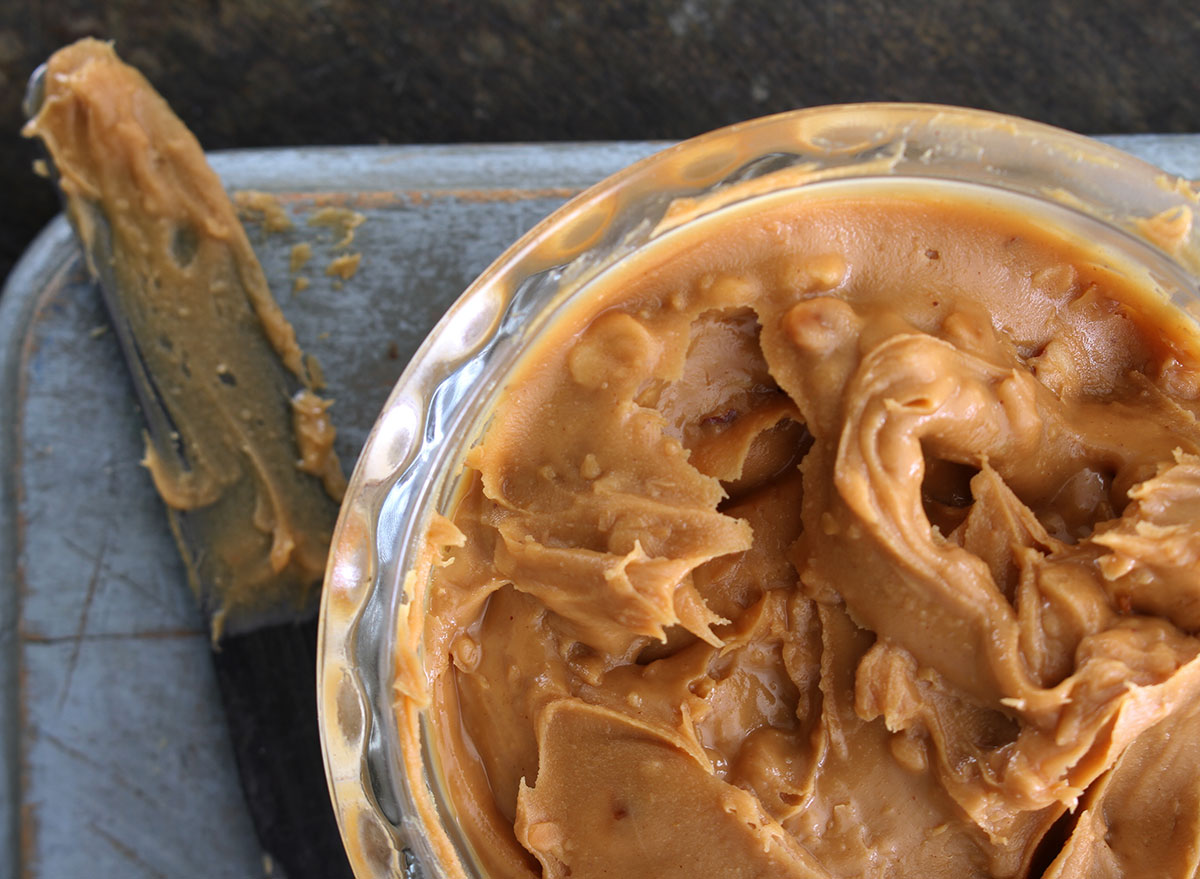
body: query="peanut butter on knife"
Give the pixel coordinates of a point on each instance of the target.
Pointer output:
(238, 444)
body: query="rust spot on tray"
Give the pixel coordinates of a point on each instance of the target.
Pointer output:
(147, 635)
(484, 196)
(28, 838)
(302, 201)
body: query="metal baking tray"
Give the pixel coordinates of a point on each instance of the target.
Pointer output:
(114, 754)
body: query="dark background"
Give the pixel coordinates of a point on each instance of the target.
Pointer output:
(247, 73)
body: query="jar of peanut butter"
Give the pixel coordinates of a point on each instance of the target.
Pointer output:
(816, 498)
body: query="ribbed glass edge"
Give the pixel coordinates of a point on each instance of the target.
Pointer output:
(390, 820)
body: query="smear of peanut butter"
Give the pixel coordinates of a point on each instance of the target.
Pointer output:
(344, 267)
(1169, 229)
(300, 255)
(263, 206)
(315, 434)
(859, 537)
(253, 529)
(343, 222)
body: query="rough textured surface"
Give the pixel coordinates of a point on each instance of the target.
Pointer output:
(245, 74)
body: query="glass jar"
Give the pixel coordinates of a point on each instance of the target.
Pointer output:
(393, 818)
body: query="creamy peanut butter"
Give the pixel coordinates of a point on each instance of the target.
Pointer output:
(857, 537)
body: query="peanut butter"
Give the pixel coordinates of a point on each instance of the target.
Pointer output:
(857, 538)
(251, 483)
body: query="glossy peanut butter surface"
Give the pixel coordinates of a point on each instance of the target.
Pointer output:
(852, 537)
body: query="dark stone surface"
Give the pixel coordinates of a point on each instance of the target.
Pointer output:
(262, 73)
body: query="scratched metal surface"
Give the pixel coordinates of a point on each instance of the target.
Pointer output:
(113, 748)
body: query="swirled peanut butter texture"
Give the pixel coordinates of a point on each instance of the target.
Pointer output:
(858, 538)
